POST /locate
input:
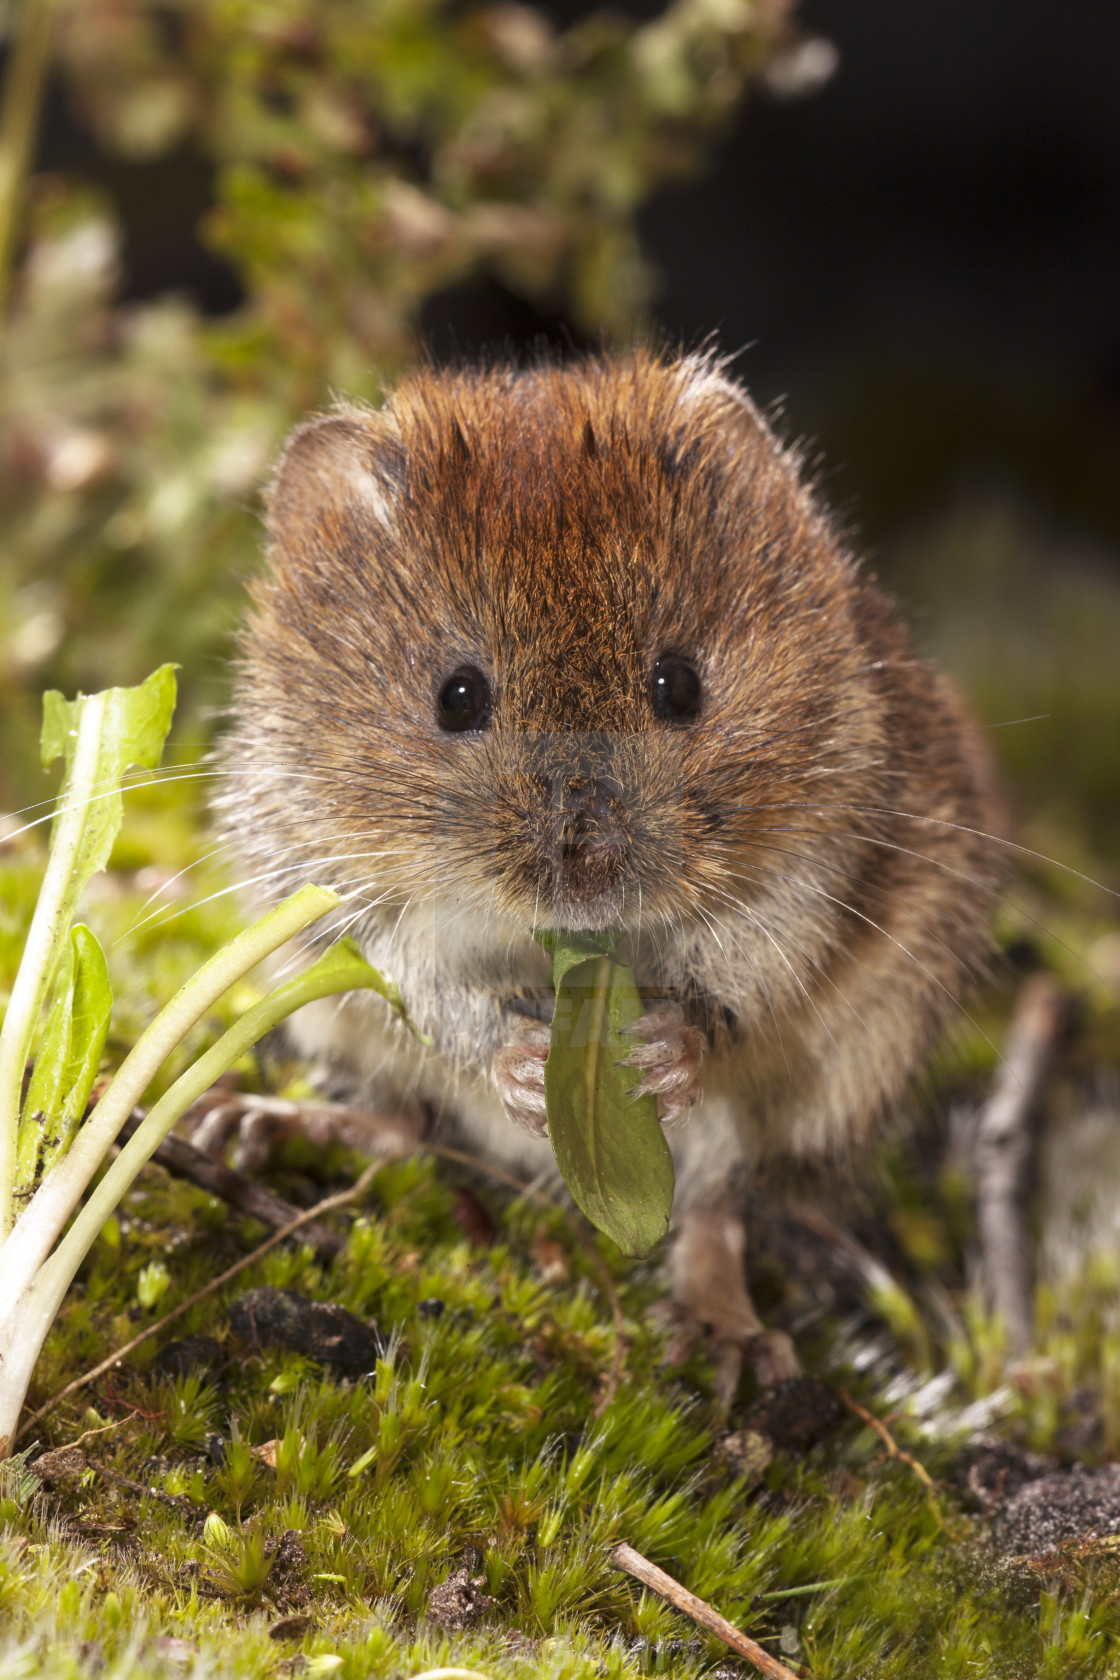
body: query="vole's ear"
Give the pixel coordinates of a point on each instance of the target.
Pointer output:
(334, 485)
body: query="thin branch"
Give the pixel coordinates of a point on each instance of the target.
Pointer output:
(895, 1451)
(626, 1558)
(1005, 1153)
(177, 1502)
(357, 1189)
(244, 1194)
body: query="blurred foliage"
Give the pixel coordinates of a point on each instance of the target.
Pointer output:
(1027, 619)
(366, 154)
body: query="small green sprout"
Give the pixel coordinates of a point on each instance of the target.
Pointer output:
(240, 1560)
(152, 1284)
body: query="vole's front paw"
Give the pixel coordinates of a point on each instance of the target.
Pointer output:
(518, 1072)
(669, 1054)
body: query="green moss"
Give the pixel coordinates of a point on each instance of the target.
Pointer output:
(476, 1436)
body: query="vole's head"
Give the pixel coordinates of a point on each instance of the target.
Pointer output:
(571, 643)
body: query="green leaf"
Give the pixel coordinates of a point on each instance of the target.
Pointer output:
(342, 968)
(100, 735)
(68, 1058)
(133, 729)
(608, 1143)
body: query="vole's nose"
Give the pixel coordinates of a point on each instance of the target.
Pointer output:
(589, 811)
(593, 835)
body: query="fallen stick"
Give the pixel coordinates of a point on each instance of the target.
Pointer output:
(359, 1186)
(895, 1451)
(185, 1161)
(1005, 1152)
(626, 1558)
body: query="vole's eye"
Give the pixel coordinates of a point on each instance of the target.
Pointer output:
(675, 690)
(464, 700)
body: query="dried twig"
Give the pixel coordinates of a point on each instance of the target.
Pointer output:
(1005, 1157)
(625, 1557)
(302, 1220)
(895, 1451)
(177, 1502)
(245, 1194)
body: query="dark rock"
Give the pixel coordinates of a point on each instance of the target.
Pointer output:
(458, 1602)
(289, 1556)
(64, 1464)
(189, 1353)
(325, 1332)
(794, 1414)
(291, 1627)
(998, 1471)
(1064, 1505)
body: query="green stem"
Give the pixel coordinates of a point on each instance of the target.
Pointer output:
(313, 983)
(44, 940)
(19, 121)
(27, 1323)
(38, 1227)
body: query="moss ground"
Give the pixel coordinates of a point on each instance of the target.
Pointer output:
(476, 1439)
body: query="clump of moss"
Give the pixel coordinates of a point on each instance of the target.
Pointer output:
(239, 1510)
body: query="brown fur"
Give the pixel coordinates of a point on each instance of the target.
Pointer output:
(802, 866)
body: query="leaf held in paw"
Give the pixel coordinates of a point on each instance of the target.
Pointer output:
(607, 1142)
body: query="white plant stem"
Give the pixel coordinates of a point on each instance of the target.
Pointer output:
(44, 943)
(24, 1327)
(38, 1227)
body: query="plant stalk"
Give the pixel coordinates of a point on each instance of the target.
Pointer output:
(140, 1148)
(25, 1325)
(38, 1227)
(19, 122)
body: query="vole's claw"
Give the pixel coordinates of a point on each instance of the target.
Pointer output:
(773, 1358)
(518, 1072)
(669, 1054)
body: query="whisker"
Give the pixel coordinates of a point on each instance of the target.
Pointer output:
(922, 967)
(933, 822)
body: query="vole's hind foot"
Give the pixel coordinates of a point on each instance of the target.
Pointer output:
(518, 1073)
(259, 1126)
(710, 1303)
(669, 1054)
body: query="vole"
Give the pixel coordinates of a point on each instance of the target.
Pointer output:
(574, 646)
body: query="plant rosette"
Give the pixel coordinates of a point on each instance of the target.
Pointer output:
(50, 1150)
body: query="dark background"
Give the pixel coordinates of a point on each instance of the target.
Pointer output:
(922, 257)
